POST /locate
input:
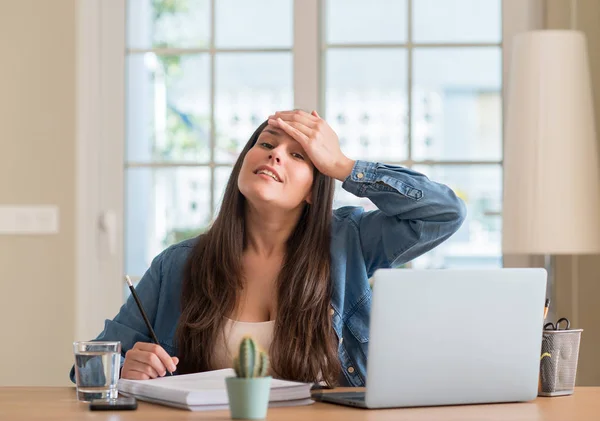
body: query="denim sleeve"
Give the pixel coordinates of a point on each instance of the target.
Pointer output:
(414, 213)
(128, 326)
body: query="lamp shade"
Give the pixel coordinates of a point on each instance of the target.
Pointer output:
(551, 177)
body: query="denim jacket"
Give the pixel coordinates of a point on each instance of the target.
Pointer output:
(414, 215)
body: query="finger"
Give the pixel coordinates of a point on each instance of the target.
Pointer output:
(143, 368)
(154, 361)
(150, 359)
(132, 365)
(300, 117)
(307, 131)
(293, 132)
(314, 112)
(175, 360)
(165, 359)
(295, 118)
(135, 375)
(144, 361)
(296, 111)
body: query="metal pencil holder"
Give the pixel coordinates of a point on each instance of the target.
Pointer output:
(558, 364)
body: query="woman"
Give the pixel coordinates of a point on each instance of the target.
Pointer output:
(279, 265)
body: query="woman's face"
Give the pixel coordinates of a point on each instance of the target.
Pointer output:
(276, 170)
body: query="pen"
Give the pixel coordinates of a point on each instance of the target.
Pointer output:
(546, 307)
(139, 304)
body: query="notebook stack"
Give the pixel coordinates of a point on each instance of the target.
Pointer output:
(207, 391)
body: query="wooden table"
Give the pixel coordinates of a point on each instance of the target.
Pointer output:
(60, 403)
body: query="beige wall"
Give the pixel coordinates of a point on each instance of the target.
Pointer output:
(583, 307)
(37, 138)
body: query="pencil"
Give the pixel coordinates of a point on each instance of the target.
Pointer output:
(546, 306)
(139, 304)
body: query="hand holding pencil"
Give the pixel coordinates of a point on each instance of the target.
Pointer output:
(146, 360)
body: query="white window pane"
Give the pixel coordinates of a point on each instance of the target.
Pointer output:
(168, 23)
(168, 108)
(222, 175)
(249, 88)
(360, 21)
(256, 23)
(470, 21)
(162, 207)
(457, 107)
(366, 102)
(478, 242)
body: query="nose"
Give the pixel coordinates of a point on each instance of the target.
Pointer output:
(275, 157)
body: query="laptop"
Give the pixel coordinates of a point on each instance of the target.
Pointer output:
(451, 337)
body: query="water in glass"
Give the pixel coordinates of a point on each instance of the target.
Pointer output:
(97, 370)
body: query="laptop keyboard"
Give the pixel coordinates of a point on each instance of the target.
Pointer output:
(355, 396)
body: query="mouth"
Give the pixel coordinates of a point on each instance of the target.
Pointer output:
(267, 171)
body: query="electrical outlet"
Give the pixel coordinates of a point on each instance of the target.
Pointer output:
(28, 220)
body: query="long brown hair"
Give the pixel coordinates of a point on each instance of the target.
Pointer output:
(304, 346)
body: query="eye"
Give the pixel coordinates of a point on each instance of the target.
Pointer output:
(297, 155)
(266, 145)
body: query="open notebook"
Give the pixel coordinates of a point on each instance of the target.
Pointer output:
(207, 391)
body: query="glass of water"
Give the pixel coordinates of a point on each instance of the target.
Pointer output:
(97, 369)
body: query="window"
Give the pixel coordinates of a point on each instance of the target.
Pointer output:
(418, 83)
(415, 83)
(201, 76)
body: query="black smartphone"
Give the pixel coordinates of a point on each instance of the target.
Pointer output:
(119, 404)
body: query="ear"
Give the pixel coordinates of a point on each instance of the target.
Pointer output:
(308, 198)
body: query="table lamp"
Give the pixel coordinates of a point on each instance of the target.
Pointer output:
(551, 178)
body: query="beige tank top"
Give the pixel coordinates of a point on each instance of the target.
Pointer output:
(234, 331)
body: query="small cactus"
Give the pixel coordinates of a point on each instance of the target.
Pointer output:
(250, 362)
